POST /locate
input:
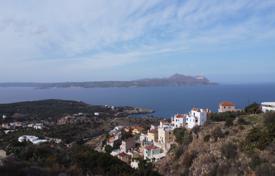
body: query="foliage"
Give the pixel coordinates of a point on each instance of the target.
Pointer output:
(48, 109)
(108, 149)
(229, 122)
(261, 137)
(265, 169)
(217, 117)
(256, 138)
(242, 121)
(182, 136)
(269, 122)
(78, 160)
(253, 108)
(217, 133)
(229, 150)
(146, 168)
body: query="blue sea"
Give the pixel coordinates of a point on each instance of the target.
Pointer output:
(166, 101)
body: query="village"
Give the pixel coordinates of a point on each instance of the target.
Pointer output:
(153, 144)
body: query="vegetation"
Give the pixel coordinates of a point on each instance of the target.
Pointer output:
(78, 160)
(182, 136)
(218, 117)
(253, 108)
(262, 136)
(229, 150)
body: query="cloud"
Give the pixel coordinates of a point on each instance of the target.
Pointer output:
(101, 34)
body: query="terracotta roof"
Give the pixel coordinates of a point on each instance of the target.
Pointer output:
(151, 147)
(180, 116)
(227, 103)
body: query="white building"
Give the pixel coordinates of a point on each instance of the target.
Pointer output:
(268, 107)
(32, 139)
(196, 117)
(178, 120)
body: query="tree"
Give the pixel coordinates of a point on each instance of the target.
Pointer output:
(182, 136)
(253, 108)
(108, 149)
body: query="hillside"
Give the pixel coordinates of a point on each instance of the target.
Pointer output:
(174, 80)
(244, 145)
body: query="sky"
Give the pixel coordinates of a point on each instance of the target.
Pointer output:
(230, 41)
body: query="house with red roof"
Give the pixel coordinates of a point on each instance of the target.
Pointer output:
(178, 120)
(227, 106)
(153, 153)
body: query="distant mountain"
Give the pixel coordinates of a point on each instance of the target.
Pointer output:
(174, 80)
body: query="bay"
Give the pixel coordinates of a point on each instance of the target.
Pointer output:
(166, 101)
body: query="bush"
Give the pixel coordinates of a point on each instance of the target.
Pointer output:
(206, 138)
(188, 158)
(182, 136)
(253, 108)
(217, 117)
(255, 161)
(269, 121)
(256, 138)
(108, 149)
(217, 133)
(265, 169)
(242, 121)
(229, 150)
(229, 122)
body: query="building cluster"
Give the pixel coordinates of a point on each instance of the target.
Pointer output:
(154, 143)
(13, 126)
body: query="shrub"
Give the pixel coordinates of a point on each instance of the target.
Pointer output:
(256, 138)
(255, 161)
(229, 150)
(108, 149)
(217, 117)
(179, 151)
(206, 138)
(217, 133)
(229, 122)
(182, 136)
(242, 121)
(269, 121)
(253, 108)
(188, 158)
(265, 169)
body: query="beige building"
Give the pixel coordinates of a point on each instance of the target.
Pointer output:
(152, 135)
(3, 154)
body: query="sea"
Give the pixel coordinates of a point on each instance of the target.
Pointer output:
(166, 101)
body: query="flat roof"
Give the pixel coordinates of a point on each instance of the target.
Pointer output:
(268, 103)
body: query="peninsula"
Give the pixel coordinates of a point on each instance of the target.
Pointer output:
(174, 80)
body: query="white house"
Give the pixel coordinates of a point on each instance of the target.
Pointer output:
(32, 139)
(268, 107)
(178, 120)
(196, 117)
